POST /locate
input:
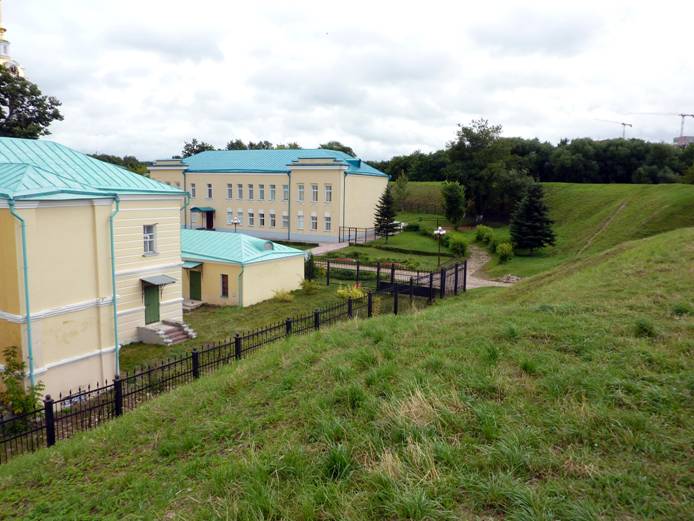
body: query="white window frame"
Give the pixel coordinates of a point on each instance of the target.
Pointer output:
(314, 192)
(273, 192)
(149, 238)
(239, 216)
(251, 217)
(327, 223)
(261, 192)
(285, 192)
(300, 192)
(230, 216)
(193, 191)
(300, 221)
(251, 191)
(314, 222)
(328, 193)
(239, 191)
(261, 217)
(230, 191)
(210, 191)
(273, 219)
(285, 220)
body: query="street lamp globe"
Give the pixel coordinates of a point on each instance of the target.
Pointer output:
(235, 222)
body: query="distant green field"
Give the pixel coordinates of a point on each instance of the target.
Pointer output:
(567, 396)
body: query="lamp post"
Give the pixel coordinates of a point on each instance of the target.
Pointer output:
(439, 232)
(235, 222)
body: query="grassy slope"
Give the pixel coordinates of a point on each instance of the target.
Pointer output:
(587, 219)
(567, 396)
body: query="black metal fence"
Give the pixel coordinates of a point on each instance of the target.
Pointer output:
(450, 279)
(397, 291)
(355, 235)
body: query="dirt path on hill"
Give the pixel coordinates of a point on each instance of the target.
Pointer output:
(604, 225)
(475, 279)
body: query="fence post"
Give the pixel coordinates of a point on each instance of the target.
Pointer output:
(465, 277)
(431, 287)
(357, 271)
(350, 304)
(237, 346)
(442, 282)
(395, 301)
(288, 326)
(117, 395)
(195, 362)
(50, 420)
(370, 305)
(455, 279)
(316, 319)
(411, 290)
(327, 274)
(392, 274)
(378, 275)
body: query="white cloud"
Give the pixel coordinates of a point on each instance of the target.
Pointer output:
(384, 77)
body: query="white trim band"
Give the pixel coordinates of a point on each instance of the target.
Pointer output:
(59, 310)
(73, 359)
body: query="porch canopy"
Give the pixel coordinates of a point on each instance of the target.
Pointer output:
(157, 280)
(189, 265)
(202, 209)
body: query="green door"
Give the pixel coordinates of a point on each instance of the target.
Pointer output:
(195, 285)
(151, 304)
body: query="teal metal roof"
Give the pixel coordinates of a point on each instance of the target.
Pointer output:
(202, 209)
(189, 265)
(39, 169)
(234, 248)
(271, 161)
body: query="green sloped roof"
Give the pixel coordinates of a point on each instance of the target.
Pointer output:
(271, 161)
(235, 248)
(38, 169)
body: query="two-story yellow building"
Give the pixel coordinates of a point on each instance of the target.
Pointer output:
(74, 232)
(293, 195)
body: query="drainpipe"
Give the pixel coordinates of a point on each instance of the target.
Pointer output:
(239, 285)
(116, 199)
(344, 182)
(27, 304)
(289, 206)
(184, 208)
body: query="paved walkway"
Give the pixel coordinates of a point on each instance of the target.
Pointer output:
(478, 258)
(328, 247)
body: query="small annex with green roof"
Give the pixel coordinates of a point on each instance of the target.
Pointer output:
(223, 268)
(74, 232)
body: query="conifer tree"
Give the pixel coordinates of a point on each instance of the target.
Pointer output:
(531, 227)
(385, 215)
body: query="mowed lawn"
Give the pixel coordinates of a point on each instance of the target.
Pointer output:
(567, 396)
(216, 323)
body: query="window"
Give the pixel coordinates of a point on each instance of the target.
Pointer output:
(285, 192)
(230, 190)
(239, 191)
(239, 217)
(314, 222)
(193, 192)
(149, 235)
(230, 216)
(273, 222)
(250, 191)
(261, 192)
(272, 192)
(314, 193)
(261, 217)
(193, 217)
(251, 217)
(300, 221)
(285, 220)
(328, 193)
(225, 285)
(328, 222)
(300, 192)
(209, 191)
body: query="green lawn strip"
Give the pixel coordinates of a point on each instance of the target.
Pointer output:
(567, 396)
(216, 323)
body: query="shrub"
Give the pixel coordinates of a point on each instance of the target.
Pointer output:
(504, 251)
(483, 233)
(353, 291)
(458, 247)
(16, 396)
(310, 287)
(445, 240)
(412, 227)
(309, 267)
(283, 296)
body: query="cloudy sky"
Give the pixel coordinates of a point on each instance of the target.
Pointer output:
(140, 77)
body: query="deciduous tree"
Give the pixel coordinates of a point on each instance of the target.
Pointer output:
(195, 147)
(336, 145)
(453, 202)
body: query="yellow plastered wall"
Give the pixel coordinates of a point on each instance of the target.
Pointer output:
(262, 279)
(132, 263)
(211, 283)
(362, 195)
(173, 177)
(10, 261)
(320, 178)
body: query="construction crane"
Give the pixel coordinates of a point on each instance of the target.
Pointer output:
(682, 116)
(624, 125)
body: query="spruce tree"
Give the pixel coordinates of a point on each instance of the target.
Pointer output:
(531, 227)
(385, 215)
